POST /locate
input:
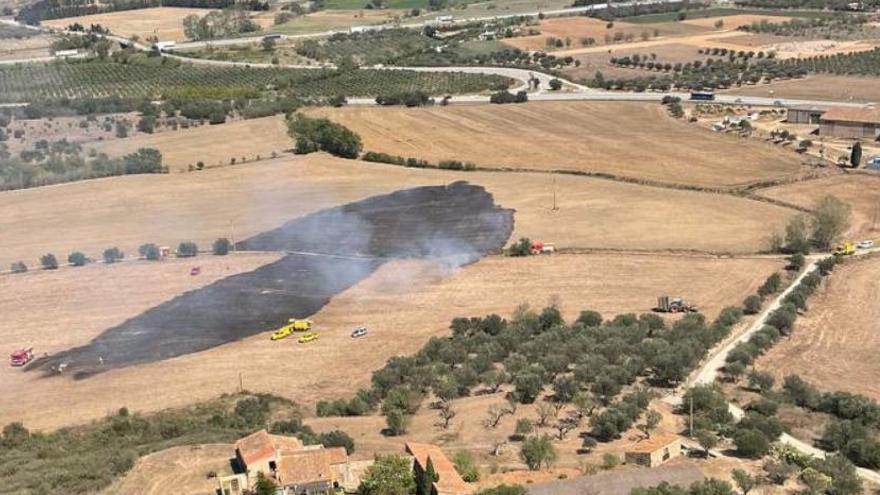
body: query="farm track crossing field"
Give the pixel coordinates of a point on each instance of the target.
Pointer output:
(27, 82)
(626, 139)
(213, 145)
(403, 303)
(862, 192)
(243, 200)
(835, 344)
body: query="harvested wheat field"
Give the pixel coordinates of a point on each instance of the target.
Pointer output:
(213, 145)
(861, 191)
(329, 20)
(835, 344)
(403, 302)
(635, 140)
(164, 22)
(240, 201)
(735, 21)
(175, 470)
(573, 28)
(816, 87)
(24, 48)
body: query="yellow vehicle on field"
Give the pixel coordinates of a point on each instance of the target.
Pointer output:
(308, 337)
(282, 332)
(300, 325)
(845, 248)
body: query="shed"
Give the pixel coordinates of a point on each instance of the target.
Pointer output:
(654, 451)
(805, 114)
(851, 122)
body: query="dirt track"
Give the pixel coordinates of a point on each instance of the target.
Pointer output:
(455, 224)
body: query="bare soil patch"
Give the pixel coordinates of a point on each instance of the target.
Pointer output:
(816, 87)
(600, 61)
(403, 303)
(584, 136)
(241, 201)
(573, 28)
(835, 344)
(861, 191)
(164, 22)
(175, 470)
(213, 145)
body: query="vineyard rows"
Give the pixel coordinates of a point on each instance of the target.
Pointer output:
(96, 79)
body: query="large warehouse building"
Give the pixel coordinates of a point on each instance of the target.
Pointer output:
(841, 122)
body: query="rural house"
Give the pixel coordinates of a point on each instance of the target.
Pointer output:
(852, 123)
(295, 468)
(448, 482)
(654, 451)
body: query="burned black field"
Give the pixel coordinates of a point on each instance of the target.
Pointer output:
(326, 253)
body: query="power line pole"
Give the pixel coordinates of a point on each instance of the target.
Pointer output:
(555, 207)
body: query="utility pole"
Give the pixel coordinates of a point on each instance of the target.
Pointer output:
(555, 207)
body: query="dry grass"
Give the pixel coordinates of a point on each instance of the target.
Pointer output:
(164, 22)
(835, 344)
(241, 201)
(18, 49)
(860, 89)
(214, 145)
(627, 139)
(573, 28)
(403, 304)
(590, 63)
(329, 20)
(175, 470)
(862, 192)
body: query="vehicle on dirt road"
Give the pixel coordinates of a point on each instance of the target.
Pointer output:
(846, 248)
(300, 325)
(666, 304)
(308, 337)
(866, 244)
(358, 332)
(21, 357)
(195, 270)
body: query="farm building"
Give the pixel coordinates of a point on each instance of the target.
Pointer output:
(295, 468)
(805, 114)
(654, 451)
(448, 480)
(852, 123)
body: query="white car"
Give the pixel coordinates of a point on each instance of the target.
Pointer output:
(358, 332)
(867, 244)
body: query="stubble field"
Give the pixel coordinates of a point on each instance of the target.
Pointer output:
(627, 139)
(404, 303)
(213, 145)
(835, 344)
(164, 22)
(239, 201)
(818, 87)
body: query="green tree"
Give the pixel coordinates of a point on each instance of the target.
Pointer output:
(761, 381)
(397, 421)
(268, 44)
(49, 262)
(555, 84)
(504, 490)
(112, 255)
(147, 124)
(18, 267)
(855, 156)
(149, 251)
(221, 246)
(466, 467)
(264, 486)
(752, 304)
(652, 420)
(337, 438)
(744, 481)
(817, 483)
(388, 475)
(425, 479)
(523, 428)
(537, 452)
(797, 238)
(77, 258)
(832, 219)
(707, 440)
(751, 443)
(187, 249)
(527, 386)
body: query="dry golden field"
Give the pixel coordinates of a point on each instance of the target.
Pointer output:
(735, 21)
(24, 48)
(403, 303)
(862, 192)
(818, 87)
(214, 145)
(627, 139)
(835, 343)
(240, 201)
(164, 22)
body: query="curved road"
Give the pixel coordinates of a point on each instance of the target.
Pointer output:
(709, 371)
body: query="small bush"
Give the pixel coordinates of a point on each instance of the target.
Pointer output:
(150, 252)
(77, 258)
(49, 262)
(752, 305)
(221, 246)
(112, 255)
(18, 267)
(187, 249)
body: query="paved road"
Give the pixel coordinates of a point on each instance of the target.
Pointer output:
(710, 370)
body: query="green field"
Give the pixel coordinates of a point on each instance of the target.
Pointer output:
(57, 80)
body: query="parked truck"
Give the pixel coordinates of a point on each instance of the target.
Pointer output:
(21, 357)
(846, 248)
(666, 304)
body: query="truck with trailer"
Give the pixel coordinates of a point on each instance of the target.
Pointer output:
(666, 304)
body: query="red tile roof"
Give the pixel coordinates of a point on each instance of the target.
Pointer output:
(862, 115)
(448, 479)
(306, 466)
(262, 445)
